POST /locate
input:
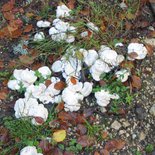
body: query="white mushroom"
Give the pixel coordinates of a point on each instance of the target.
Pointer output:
(62, 11)
(57, 66)
(39, 36)
(92, 27)
(91, 57)
(45, 71)
(139, 49)
(60, 25)
(43, 24)
(70, 39)
(98, 68)
(87, 89)
(122, 75)
(29, 150)
(14, 84)
(103, 97)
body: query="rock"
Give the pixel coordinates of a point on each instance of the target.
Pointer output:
(103, 109)
(150, 41)
(116, 125)
(141, 114)
(142, 136)
(134, 136)
(126, 124)
(152, 110)
(121, 132)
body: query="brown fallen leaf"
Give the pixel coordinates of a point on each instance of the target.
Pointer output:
(114, 145)
(136, 82)
(60, 107)
(71, 4)
(8, 6)
(39, 120)
(150, 49)
(133, 55)
(81, 129)
(28, 28)
(26, 60)
(45, 146)
(104, 134)
(85, 141)
(96, 153)
(104, 152)
(60, 85)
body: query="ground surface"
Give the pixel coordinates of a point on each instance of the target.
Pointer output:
(136, 126)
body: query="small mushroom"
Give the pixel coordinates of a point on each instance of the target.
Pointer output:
(62, 11)
(43, 24)
(39, 36)
(29, 150)
(45, 71)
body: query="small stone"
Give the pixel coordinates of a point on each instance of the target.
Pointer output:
(103, 109)
(152, 110)
(140, 113)
(116, 125)
(134, 136)
(126, 124)
(121, 132)
(142, 136)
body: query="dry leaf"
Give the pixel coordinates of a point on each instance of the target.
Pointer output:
(150, 49)
(8, 6)
(104, 152)
(96, 153)
(71, 4)
(25, 59)
(85, 141)
(136, 82)
(133, 55)
(59, 135)
(28, 28)
(60, 85)
(73, 80)
(60, 107)
(39, 120)
(104, 134)
(114, 145)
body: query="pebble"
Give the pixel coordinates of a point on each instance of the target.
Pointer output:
(134, 136)
(121, 132)
(126, 124)
(116, 125)
(142, 136)
(152, 110)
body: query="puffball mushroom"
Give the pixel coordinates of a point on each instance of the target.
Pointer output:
(39, 36)
(62, 11)
(61, 25)
(122, 75)
(43, 24)
(103, 97)
(92, 26)
(137, 48)
(29, 150)
(70, 39)
(45, 71)
(28, 107)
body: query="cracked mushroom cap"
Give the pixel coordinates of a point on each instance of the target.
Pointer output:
(29, 150)
(62, 11)
(139, 49)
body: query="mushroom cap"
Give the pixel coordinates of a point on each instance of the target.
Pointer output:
(91, 57)
(57, 66)
(122, 75)
(45, 71)
(29, 150)
(87, 89)
(92, 26)
(14, 84)
(60, 25)
(139, 49)
(109, 56)
(39, 36)
(62, 11)
(23, 105)
(43, 24)
(70, 39)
